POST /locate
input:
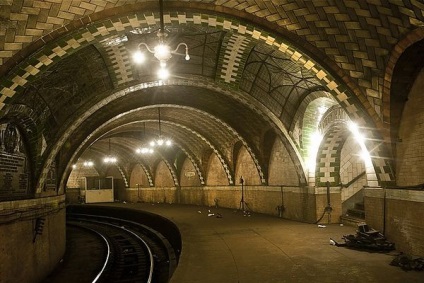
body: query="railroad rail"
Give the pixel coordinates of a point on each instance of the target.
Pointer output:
(129, 257)
(135, 252)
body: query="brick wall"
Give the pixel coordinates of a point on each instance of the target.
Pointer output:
(281, 167)
(374, 207)
(300, 204)
(23, 260)
(399, 214)
(215, 174)
(189, 176)
(138, 176)
(410, 150)
(246, 167)
(163, 177)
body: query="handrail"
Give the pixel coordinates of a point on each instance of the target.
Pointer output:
(353, 180)
(418, 187)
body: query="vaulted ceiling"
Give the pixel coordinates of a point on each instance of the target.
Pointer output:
(69, 81)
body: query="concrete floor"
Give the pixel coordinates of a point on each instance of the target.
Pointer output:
(262, 248)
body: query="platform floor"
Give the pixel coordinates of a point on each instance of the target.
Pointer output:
(261, 248)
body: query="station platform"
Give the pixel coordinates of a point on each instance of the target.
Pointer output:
(238, 248)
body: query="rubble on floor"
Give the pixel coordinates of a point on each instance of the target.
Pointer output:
(407, 262)
(366, 238)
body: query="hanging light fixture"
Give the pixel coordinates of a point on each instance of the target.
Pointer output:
(162, 51)
(109, 158)
(160, 141)
(88, 163)
(143, 149)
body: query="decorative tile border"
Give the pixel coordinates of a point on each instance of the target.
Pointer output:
(232, 58)
(98, 31)
(328, 161)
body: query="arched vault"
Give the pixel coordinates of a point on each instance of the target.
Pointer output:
(247, 74)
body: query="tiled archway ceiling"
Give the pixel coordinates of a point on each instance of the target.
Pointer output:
(64, 89)
(190, 129)
(276, 80)
(196, 119)
(204, 44)
(75, 83)
(68, 71)
(404, 75)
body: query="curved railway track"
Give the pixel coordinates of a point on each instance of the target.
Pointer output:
(114, 244)
(128, 257)
(135, 253)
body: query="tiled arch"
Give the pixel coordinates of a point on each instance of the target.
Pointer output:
(335, 127)
(149, 175)
(411, 38)
(147, 172)
(124, 176)
(328, 157)
(99, 31)
(69, 43)
(171, 169)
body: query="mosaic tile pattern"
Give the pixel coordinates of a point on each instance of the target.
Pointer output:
(334, 125)
(124, 176)
(218, 153)
(99, 31)
(40, 61)
(199, 83)
(172, 171)
(356, 35)
(121, 63)
(233, 55)
(329, 158)
(148, 174)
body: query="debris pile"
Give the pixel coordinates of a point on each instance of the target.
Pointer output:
(407, 262)
(210, 214)
(366, 238)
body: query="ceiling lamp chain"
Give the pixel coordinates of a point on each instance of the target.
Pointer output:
(160, 141)
(109, 158)
(144, 150)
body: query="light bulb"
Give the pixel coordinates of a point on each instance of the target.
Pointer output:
(187, 57)
(139, 57)
(163, 74)
(160, 141)
(110, 159)
(88, 163)
(162, 52)
(168, 143)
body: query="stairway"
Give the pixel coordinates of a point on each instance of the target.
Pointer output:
(354, 215)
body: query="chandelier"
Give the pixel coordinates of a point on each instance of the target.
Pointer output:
(144, 150)
(162, 51)
(160, 141)
(88, 163)
(109, 158)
